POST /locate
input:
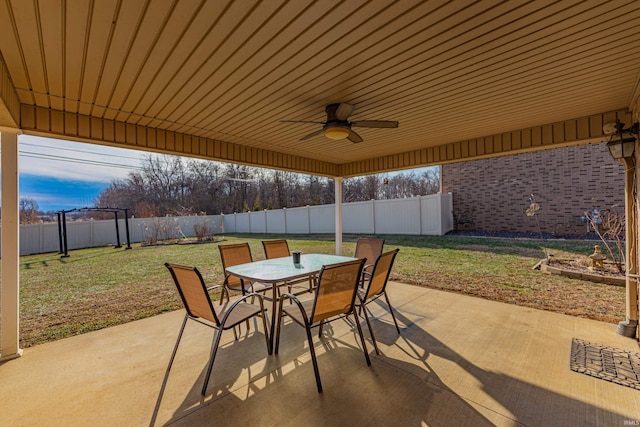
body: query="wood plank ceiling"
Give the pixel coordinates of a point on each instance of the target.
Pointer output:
(214, 78)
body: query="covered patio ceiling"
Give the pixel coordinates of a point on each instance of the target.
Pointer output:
(214, 79)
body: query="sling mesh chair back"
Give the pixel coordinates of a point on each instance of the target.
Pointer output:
(334, 299)
(276, 248)
(370, 249)
(377, 287)
(280, 249)
(239, 253)
(195, 297)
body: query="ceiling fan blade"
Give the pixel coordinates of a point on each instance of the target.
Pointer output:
(375, 124)
(300, 121)
(312, 134)
(344, 110)
(354, 137)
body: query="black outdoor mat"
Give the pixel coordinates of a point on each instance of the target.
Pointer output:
(607, 363)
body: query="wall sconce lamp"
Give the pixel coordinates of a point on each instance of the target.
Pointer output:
(622, 142)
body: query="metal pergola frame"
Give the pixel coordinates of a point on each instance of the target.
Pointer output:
(62, 226)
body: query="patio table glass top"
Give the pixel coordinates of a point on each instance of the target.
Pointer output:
(277, 270)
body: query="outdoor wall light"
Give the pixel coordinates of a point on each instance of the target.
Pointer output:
(622, 142)
(336, 132)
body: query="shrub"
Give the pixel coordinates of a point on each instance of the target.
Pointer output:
(203, 231)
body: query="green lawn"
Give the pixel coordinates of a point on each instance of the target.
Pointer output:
(99, 287)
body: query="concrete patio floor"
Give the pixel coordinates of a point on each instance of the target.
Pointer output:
(459, 361)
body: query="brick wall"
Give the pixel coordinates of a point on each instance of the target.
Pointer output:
(493, 194)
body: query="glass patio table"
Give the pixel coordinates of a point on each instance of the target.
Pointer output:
(279, 271)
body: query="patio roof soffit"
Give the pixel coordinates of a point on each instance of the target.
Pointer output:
(635, 102)
(224, 80)
(73, 126)
(9, 101)
(579, 131)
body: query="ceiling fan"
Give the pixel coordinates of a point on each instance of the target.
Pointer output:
(338, 127)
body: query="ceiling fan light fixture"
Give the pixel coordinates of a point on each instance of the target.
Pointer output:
(337, 126)
(336, 132)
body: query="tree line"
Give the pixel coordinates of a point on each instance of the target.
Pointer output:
(170, 185)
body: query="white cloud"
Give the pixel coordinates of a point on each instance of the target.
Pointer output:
(68, 160)
(45, 200)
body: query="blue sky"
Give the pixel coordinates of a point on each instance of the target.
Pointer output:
(60, 174)
(57, 194)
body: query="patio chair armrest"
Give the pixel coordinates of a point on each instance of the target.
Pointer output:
(290, 296)
(246, 296)
(210, 288)
(241, 300)
(295, 299)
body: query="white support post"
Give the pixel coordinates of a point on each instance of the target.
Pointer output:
(10, 241)
(338, 197)
(629, 327)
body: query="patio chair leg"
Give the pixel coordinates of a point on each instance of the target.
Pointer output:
(373, 338)
(364, 345)
(175, 347)
(225, 291)
(214, 350)
(391, 310)
(316, 371)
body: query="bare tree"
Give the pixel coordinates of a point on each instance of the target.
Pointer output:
(29, 210)
(166, 185)
(383, 186)
(206, 186)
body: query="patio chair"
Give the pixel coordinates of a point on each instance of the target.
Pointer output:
(195, 297)
(370, 249)
(376, 288)
(334, 299)
(239, 253)
(276, 248)
(280, 249)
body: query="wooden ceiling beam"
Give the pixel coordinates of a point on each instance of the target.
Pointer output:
(577, 131)
(78, 127)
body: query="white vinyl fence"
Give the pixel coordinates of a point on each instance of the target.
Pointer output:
(423, 215)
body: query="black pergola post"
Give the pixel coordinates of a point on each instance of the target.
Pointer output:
(64, 234)
(59, 232)
(115, 213)
(126, 226)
